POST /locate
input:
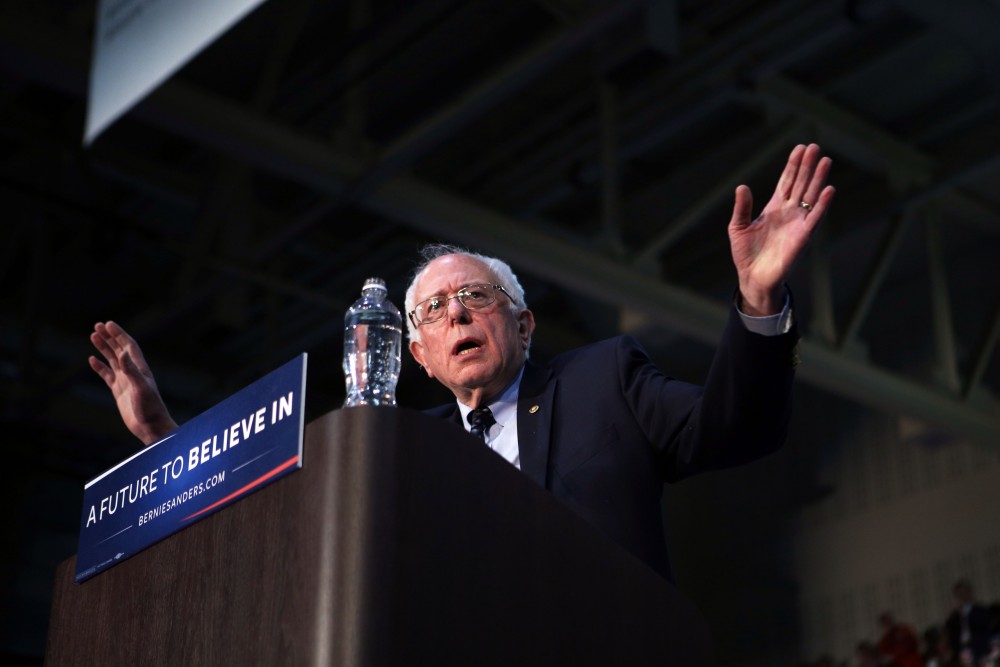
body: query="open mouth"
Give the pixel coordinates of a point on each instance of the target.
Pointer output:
(465, 347)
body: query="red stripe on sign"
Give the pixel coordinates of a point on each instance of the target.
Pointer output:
(249, 487)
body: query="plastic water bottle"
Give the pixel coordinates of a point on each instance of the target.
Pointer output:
(373, 332)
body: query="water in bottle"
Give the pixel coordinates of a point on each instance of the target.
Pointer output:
(372, 344)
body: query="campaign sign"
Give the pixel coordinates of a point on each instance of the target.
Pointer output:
(237, 447)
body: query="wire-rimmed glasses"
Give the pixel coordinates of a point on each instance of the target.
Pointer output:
(473, 297)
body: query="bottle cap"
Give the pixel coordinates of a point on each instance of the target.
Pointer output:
(374, 282)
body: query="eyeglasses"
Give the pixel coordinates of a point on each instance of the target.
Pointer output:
(473, 297)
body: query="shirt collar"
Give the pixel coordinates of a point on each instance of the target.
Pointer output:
(503, 406)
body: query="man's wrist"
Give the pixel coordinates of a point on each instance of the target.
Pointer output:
(763, 302)
(767, 325)
(150, 433)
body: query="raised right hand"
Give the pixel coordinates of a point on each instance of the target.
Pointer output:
(131, 382)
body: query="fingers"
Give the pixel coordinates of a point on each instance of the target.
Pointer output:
(120, 351)
(817, 182)
(823, 201)
(103, 370)
(810, 177)
(114, 342)
(803, 180)
(786, 181)
(121, 339)
(742, 208)
(805, 173)
(128, 366)
(102, 341)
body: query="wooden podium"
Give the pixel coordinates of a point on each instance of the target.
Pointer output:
(401, 541)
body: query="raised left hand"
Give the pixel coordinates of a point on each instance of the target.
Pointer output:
(765, 248)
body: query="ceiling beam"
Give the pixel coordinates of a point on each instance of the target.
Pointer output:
(437, 212)
(866, 144)
(270, 146)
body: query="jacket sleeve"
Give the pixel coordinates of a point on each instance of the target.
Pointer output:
(740, 414)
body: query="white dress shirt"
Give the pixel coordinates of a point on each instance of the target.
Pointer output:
(502, 436)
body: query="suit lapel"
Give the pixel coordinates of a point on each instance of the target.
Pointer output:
(534, 421)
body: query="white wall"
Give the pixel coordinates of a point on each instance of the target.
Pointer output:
(905, 520)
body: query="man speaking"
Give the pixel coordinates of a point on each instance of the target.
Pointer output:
(600, 427)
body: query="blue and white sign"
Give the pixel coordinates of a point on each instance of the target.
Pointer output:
(239, 446)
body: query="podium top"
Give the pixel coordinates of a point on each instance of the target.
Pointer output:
(401, 541)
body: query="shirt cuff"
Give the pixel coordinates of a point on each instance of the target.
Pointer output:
(769, 325)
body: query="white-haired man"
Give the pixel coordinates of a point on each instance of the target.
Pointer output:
(600, 427)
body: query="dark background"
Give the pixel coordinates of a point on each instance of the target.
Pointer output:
(230, 219)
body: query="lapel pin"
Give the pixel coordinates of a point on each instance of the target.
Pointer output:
(533, 409)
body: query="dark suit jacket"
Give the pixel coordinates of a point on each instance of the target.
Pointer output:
(602, 429)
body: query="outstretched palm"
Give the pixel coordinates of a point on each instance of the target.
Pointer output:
(765, 248)
(131, 382)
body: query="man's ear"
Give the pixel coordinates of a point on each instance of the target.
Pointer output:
(525, 327)
(417, 350)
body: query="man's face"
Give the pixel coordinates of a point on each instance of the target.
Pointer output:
(474, 353)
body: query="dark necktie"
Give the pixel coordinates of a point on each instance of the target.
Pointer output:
(481, 420)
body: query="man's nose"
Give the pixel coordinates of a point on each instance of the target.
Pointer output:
(457, 312)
